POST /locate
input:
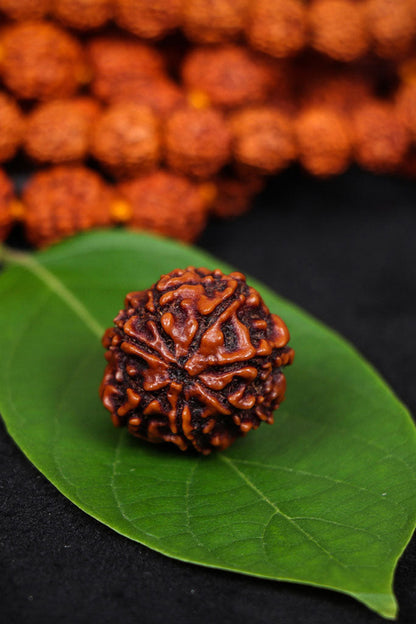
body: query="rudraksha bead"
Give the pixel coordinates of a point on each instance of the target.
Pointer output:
(381, 138)
(25, 9)
(262, 139)
(195, 360)
(392, 25)
(125, 139)
(229, 75)
(150, 20)
(233, 195)
(11, 127)
(333, 153)
(339, 29)
(41, 60)
(6, 199)
(64, 200)
(277, 27)
(58, 131)
(165, 203)
(121, 63)
(217, 21)
(197, 141)
(83, 14)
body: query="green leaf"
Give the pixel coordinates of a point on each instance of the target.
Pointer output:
(326, 496)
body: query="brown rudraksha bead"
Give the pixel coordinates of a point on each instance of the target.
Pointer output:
(195, 360)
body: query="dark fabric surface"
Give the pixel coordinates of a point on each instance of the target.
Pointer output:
(345, 251)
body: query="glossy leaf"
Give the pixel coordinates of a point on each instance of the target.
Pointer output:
(326, 496)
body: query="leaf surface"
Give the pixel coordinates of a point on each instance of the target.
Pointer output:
(326, 496)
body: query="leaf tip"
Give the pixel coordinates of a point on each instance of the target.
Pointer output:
(384, 604)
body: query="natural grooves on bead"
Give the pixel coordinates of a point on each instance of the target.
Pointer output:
(195, 360)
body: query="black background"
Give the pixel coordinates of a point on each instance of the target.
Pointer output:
(345, 251)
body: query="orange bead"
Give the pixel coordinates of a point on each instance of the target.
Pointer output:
(228, 75)
(381, 138)
(40, 61)
(262, 139)
(339, 29)
(324, 141)
(159, 93)
(126, 139)
(234, 195)
(277, 27)
(121, 63)
(62, 201)
(83, 14)
(11, 127)
(150, 20)
(392, 24)
(25, 9)
(405, 101)
(197, 141)
(6, 199)
(217, 21)
(167, 204)
(59, 131)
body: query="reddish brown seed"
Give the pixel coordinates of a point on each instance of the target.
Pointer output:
(40, 61)
(234, 195)
(327, 86)
(228, 75)
(121, 63)
(284, 94)
(339, 29)
(406, 69)
(277, 27)
(160, 93)
(407, 167)
(62, 201)
(150, 20)
(217, 21)
(25, 9)
(381, 138)
(197, 141)
(11, 127)
(392, 24)
(195, 360)
(125, 139)
(324, 141)
(125, 69)
(167, 204)
(59, 131)
(405, 101)
(88, 106)
(6, 199)
(83, 14)
(262, 138)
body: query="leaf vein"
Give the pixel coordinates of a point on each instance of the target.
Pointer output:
(279, 512)
(340, 524)
(307, 473)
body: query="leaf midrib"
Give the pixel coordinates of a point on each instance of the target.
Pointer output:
(53, 283)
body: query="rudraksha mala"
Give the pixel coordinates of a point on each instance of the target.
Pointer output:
(213, 97)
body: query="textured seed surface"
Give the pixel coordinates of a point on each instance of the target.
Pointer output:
(195, 360)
